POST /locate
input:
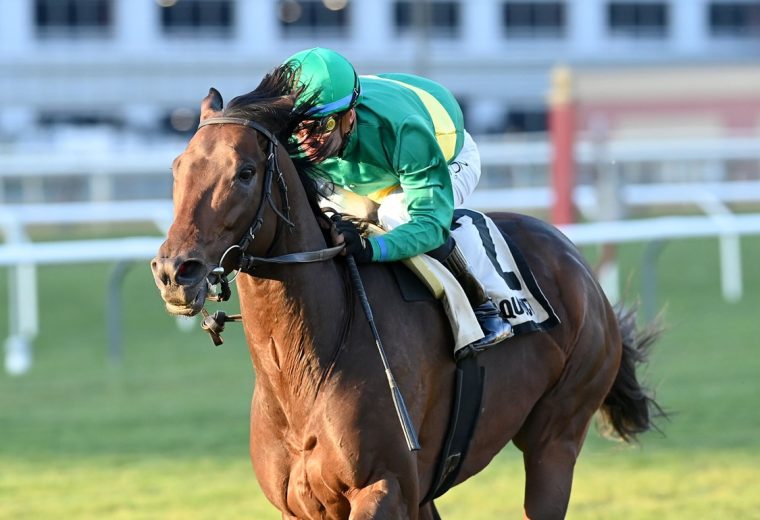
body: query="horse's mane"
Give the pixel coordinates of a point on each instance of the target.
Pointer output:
(272, 104)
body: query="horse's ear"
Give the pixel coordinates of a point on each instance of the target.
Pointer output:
(211, 104)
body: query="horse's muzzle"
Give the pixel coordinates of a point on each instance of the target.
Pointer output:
(182, 283)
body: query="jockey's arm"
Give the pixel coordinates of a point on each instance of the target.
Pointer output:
(426, 183)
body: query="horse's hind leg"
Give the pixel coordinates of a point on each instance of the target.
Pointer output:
(552, 436)
(429, 512)
(549, 477)
(551, 441)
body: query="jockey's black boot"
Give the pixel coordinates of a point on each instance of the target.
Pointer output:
(495, 327)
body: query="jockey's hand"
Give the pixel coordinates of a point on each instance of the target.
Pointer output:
(356, 244)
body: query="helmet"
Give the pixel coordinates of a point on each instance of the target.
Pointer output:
(329, 76)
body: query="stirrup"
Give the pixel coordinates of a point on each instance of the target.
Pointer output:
(495, 328)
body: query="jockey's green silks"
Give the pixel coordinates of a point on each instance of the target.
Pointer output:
(407, 130)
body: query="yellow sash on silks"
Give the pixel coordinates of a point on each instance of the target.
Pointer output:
(445, 129)
(379, 195)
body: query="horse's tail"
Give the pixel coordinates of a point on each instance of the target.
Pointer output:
(629, 408)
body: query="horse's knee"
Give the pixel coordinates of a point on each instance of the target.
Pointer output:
(380, 500)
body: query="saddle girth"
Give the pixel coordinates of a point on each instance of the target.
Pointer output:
(465, 411)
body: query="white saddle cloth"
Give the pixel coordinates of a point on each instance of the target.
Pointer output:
(500, 267)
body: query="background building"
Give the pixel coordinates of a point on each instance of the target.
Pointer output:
(144, 65)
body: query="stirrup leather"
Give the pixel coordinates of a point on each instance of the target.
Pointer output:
(495, 327)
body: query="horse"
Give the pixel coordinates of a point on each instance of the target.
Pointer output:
(324, 442)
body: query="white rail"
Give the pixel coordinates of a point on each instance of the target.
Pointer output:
(22, 257)
(632, 195)
(158, 212)
(496, 152)
(518, 164)
(79, 251)
(706, 163)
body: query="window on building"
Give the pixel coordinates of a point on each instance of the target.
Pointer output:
(199, 17)
(314, 18)
(525, 120)
(534, 19)
(73, 18)
(638, 19)
(81, 118)
(735, 19)
(443, 17)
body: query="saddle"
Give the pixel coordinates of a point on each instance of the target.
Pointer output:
(503, 270)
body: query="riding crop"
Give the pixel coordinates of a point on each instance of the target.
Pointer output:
(398, 401)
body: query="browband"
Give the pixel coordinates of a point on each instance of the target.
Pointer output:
(241, 122)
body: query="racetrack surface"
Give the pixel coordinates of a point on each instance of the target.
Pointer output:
(164, 435)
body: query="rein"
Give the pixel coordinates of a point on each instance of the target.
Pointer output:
(214, 323)
(219, 288)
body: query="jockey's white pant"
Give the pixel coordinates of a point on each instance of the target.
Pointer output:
(392, 212)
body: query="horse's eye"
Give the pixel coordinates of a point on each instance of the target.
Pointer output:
(246, 174)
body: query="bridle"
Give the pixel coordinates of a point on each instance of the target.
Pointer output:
(247, 262)
(214, 323)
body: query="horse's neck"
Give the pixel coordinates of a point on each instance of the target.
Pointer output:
(293, 316)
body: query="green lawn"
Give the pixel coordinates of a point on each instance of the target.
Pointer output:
(164, 435)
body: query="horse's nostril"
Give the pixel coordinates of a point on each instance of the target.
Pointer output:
(158, 266)
(190, 272)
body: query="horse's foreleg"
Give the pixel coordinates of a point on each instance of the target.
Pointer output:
(381, 500)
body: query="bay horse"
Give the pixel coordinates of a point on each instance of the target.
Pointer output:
(324, 440)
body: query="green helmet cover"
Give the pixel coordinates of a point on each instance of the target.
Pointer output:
(327, 75)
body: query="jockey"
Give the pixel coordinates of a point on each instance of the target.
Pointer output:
(398, 142)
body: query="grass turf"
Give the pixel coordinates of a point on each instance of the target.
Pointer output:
(164, 435)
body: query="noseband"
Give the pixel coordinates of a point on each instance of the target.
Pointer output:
(249, 262)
